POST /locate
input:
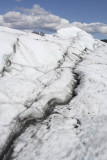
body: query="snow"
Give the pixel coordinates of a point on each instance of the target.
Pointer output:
(7, 39)
(7, 114)
(37, 84)
(57, 137)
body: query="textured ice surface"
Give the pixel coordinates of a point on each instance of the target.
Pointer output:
(77, 130)
(38, 78)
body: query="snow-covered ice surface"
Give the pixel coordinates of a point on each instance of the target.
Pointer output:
(53, 93)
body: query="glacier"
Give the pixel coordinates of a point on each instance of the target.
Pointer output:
(53, 93)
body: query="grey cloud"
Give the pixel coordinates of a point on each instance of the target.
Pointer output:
(92, 27)
(38, 18)
(34, 18)
(11, 17)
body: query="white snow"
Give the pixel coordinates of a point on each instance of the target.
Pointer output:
(37, 72)
(56, 137)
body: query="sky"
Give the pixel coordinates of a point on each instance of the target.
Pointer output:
(51, 15)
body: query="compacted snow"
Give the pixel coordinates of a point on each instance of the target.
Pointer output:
(53, 93)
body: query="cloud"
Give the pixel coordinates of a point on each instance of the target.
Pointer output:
(32, 19)
(38, 18)
(92, 27)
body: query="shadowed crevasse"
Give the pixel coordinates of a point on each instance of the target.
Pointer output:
(8, 150)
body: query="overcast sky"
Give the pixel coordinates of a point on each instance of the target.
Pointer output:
(48, 15)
